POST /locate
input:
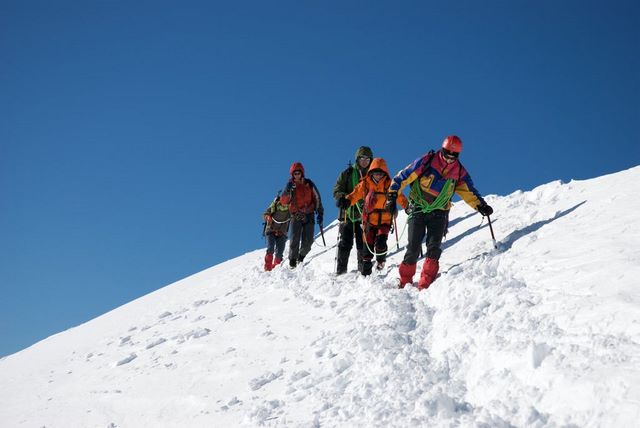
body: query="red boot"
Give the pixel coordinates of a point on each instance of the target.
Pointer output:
(276, 262)
(268, 259)
(429, 272)
(406, 273)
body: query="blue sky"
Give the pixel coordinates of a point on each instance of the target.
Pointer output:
(140, 141)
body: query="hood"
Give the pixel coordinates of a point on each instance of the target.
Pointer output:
(364, 151)
(380, 164)
(296, 166)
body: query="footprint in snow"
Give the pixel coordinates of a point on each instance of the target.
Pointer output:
(266, 378)
(126, 360)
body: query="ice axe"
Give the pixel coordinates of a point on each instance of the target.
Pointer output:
(493, 237)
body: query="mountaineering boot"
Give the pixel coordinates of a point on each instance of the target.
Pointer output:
(300, 258)
(343, 259)
(292, 263)
(276, 262)
(367, 266)
(429, 272)
(268, 259)
(380, 265)
(406, 273)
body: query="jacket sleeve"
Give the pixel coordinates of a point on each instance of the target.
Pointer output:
(285, 199)
(409, 174)
(317, 198)
(357, 194)
(468, 192)
(403, 201)
(340, 189)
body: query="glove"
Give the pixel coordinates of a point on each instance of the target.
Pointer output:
(267, 218)
(485, 209)
(319, 217)
(390, 205)
(343, 203)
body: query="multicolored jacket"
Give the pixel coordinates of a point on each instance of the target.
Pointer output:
(302, 197)
(277, 218)
(430, 175)
(375, 195)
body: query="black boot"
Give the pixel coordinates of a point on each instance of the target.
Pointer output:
(292, 263)
(367, 266)
(343, 260)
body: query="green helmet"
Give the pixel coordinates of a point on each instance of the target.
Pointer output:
(364, 151)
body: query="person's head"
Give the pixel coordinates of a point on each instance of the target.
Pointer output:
(377, 174)
(363, 156)
(451, 148)
(378, 169)
(297, 171)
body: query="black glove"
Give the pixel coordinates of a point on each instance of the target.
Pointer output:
(319, 217)
(390, 205)
(485, 209)
(290, 186)
(343, 203)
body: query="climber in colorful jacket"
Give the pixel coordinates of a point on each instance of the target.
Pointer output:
(277, 219)
(350, 218)
(303, 199)
(376, 219)
(433, 179)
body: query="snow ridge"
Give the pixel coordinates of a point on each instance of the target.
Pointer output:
(542, 331)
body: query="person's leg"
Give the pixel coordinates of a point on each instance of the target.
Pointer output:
(307, 237)
(268, 258)
(281, 241)
(294, 241)
(344, 246)
(436, 226)
(367, 255)
(416, 234)
(381, 245)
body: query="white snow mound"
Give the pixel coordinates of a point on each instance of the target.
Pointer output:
(543, 331)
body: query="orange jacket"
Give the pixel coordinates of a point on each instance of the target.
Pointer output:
(375, 195)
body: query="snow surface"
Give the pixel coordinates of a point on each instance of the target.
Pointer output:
(543, 331)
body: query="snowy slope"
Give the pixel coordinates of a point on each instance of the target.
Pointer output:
(543, 331)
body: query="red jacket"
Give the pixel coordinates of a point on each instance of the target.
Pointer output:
(301, 195)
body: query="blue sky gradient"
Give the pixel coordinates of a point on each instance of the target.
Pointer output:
(141, 141)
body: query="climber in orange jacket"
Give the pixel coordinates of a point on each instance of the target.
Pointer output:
(376, 220)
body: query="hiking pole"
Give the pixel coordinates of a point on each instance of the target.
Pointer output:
(395, 228)
(322, 234)
(495, 245)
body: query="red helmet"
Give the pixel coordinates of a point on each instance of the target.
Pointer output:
(296, 166)
(453, 143)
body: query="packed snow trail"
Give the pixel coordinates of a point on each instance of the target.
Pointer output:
(542, 331)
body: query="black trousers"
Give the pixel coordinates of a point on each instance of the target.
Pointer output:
(434, 225)
(348, 231)
(301, 236)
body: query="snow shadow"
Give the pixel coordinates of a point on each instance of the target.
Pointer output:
(507, 243)
(459, 219)
(451, 242)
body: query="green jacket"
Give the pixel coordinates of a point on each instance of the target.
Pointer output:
(279, 219)
(346, 182)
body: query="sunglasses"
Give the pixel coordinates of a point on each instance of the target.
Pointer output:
(297, 172)
(364, 158)
(449, 154)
